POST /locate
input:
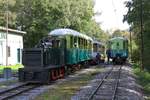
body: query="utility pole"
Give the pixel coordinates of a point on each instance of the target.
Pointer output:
(7, 33)
(141, 23)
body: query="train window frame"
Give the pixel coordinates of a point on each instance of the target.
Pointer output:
(75, 42)
(79, 42)
(71, 41)
(95, 49)
(82, 45)
(58, 45)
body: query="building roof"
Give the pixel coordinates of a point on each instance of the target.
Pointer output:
(12, 30)
(65, 31)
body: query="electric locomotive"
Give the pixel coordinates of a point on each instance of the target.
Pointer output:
(118, 49)
(98, 54)
(62, 51)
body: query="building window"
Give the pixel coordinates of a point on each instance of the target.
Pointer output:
(8, 49)
(18, 55)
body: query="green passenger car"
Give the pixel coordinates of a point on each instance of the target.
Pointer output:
(118, 47)
(77, 45)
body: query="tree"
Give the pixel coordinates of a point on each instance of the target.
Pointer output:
(133, 17)
(4, 7)
(40, 17)
(120, 33)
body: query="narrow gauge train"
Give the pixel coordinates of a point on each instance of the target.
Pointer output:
(61, 51)
(118, 48)
(98, 48)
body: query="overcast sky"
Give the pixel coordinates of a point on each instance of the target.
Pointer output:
(112, 14)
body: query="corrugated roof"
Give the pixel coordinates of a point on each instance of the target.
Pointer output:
(121, 38)
(65, 31)
(11, 30)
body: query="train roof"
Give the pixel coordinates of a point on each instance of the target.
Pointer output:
(121, 38)
(65, 31)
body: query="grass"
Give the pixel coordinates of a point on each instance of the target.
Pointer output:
(65, 90)
(144, 80)
(13, 67)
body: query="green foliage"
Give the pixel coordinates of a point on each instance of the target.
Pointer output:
(117, 33)
(143, 78)
(120, 33)
(13, 67)
(38, 17)
(133, 17)
(11, 14)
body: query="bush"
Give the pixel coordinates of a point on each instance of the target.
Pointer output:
(143, 78)
(13, 67)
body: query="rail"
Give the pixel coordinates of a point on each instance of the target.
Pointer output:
(10, 93)
(102, 81)
(100, 84)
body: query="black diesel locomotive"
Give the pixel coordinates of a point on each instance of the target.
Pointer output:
(62, 51)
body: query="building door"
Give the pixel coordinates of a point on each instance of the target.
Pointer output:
(1, 53)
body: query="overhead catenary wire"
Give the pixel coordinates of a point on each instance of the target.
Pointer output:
(115, 12)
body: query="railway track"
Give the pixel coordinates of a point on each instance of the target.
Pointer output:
(100, 92)
(15, 91)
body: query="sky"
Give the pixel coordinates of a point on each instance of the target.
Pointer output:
(112, 12)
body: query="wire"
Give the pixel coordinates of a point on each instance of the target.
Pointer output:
(115, 12)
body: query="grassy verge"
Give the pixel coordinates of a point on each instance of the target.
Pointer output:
(65, 90)
(13, 67)
(144, 80)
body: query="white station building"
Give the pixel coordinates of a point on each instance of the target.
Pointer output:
(15, 46)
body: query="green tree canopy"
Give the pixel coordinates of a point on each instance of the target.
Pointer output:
(38, 17)
(133, 17)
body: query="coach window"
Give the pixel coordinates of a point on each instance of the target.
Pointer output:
(83, 43)
(86, 46)
(75, 42)
(80, 43)
(71, 41)
(89, 45)
(55, 43)
(99, 48)
(95, 47)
